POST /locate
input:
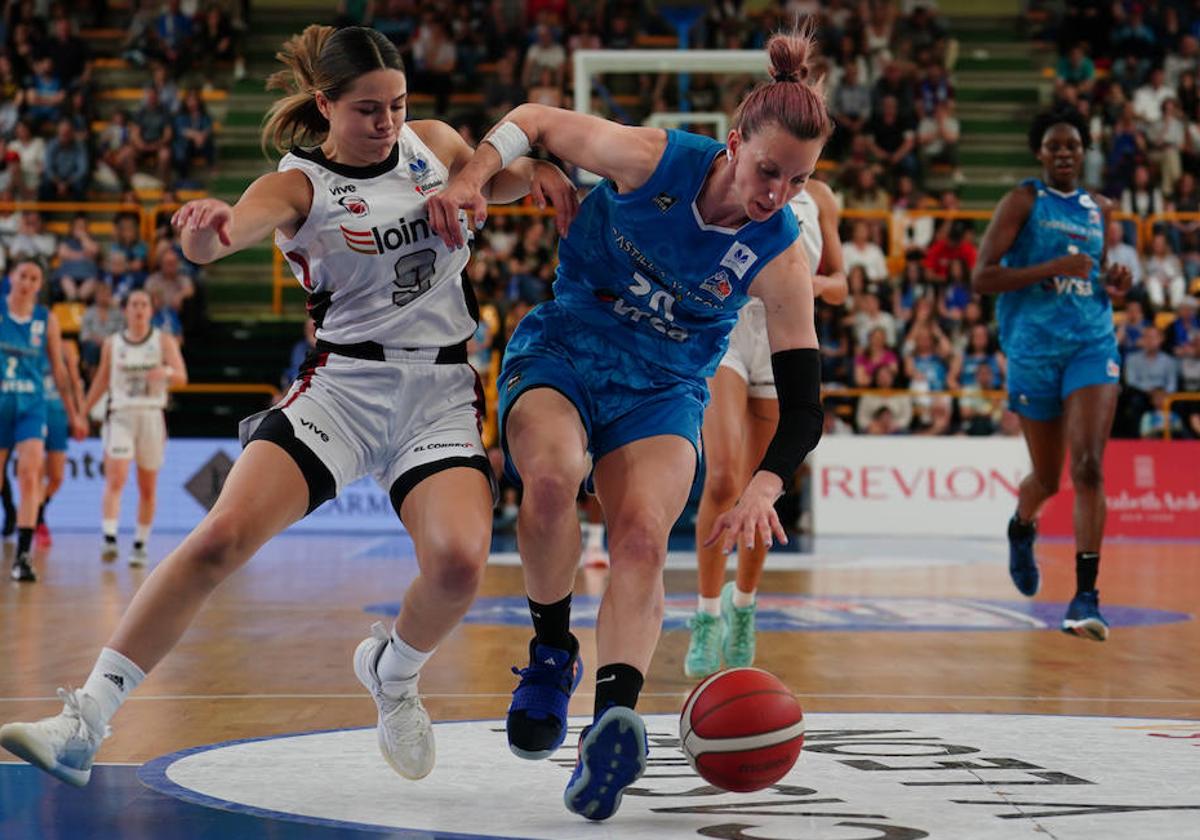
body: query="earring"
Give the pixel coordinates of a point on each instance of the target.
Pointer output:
(729, 154)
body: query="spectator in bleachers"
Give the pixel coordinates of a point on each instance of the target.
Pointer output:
(1146, 370)
(956, 294)
(174, 287)
(951, 244)
(68, 54)
(127, 241)
(860, 250)
(1075, 69)
(115, 152)
(12, 96)
(1186, 326)
(1119, 252)
(546, 90)
(981, 352)
(545, 53)
(10, 171)
(870, 415)
(168, 90)
(867, 194)
(434, 60)
(31, 150)
(216, 41)
(22, 49)
(66, 174)
(1188, 96)
(139, 45)
(832, 338)
(32, 241)
(850, 106)
(1148, 99)
(192, 134)
(937, 137)
(504, 90)
(1142, 198)
(1185, 58)
(164, 317)
(934, 88)
(396, 21)
(173, 37)
(44, 94)
(1156, 418)
(1131, 326)
(299, 352)
(894, 83)
(876, 352)
(77, 272)
(981, 415)
(927, 358)
(119, 277)
(1188, 356)
(151, 134)
(100, 319)
(891, 138)
(1163, 282)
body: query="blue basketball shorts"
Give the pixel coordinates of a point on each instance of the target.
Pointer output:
(620, 397)
(1038, 383)
(56, 426)
(21, 419)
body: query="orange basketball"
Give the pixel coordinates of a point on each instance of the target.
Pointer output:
(741, 729)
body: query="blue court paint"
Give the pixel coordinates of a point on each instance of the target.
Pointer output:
(841, 613)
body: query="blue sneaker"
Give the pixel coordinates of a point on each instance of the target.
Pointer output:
(1022, 566)
(1083, 617)
(537, 716)
(612, 756)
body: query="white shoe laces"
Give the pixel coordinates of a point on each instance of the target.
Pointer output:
(77, 719)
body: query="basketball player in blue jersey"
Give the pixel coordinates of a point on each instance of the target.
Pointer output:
(663, 254)
(58, 425)
(388, 393)
(29, 335)
(1042, 254)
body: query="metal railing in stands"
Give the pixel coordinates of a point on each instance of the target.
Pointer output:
(1169, 401)
(225, 388)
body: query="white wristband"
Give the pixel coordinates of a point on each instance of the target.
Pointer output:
(509, 141)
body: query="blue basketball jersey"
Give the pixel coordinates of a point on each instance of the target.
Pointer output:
(1060, 312)
(23, 350)
(643, 267)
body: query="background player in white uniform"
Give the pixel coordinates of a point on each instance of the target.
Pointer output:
(136, 368)
(388, 391)
(738, 425)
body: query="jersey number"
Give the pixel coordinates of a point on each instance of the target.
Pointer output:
(10, 372)
(414, 276)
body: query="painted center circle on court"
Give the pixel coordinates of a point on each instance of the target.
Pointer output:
(889, 776)
(805, 612)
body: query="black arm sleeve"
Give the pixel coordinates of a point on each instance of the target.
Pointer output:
(798, 384)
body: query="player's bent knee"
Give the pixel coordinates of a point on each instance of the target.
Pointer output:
(222, 544)
(640, 543)
(1087, 471)
(457, 571)
(721, 485)
(551, 489)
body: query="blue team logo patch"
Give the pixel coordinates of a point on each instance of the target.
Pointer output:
(1113, 369)
(417, 166)
(718, 285)
(1086, 200)
(738, 259)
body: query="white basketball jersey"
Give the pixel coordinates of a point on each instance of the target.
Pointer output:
(807, 215)
(127, 383)
(373, 268)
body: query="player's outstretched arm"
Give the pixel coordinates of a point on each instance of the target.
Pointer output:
(100, 381)
(796, 363)
(626, 155)
(210, 229)
(831, 286)
(989, 277)
(62, 380)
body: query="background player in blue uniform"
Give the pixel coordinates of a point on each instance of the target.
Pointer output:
(58, 429)
(651, 276)
(28, 335)
(1042, 253)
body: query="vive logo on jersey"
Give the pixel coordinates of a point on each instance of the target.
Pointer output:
(378, 241)
(718, 285)
(355, 205)
(738, 259)
(342, 190)
(664, 202)
(658, 314)
(312, 427)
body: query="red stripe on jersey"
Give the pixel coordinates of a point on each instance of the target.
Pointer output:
(306, 275)
(362, 241)
(306, 379)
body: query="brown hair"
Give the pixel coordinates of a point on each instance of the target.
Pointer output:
(323, 59)
(790, 99)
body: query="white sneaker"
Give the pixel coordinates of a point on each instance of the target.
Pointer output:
(405, 730)
(108, 551)
(138, 556)
(64, 745)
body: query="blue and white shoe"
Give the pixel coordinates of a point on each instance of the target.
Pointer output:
(1083, 617)
(1022, 566)
(64, 745)
(537, 715)
(612, 756)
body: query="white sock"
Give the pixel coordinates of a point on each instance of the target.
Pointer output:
(400, 661)
(593, 535)
(109, 527)
(142, 534)
(712, 606)
(743, 599)
(112, 679)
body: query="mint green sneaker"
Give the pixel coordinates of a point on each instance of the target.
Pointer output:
(738, 643)
(704, 649)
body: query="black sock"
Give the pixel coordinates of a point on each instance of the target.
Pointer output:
(617, 685)
(24, 540)
(1087, 567)
(110, 539)
(138, 545)
(41, 520)
(1018, 527)
(10, 510)
(552, 623)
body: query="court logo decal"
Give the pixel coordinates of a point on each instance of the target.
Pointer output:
(797, 612)
(885, 776)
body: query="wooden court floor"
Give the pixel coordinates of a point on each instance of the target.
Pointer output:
(272, 652)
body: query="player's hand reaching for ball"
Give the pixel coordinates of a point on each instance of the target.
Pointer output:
(551, 186)
(752, 519)
(205, 214)
(443, 209)
(1073, 265)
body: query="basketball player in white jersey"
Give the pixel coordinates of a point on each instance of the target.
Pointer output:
(738, 424)
(388, 391)
(136, 368)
